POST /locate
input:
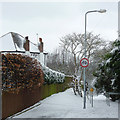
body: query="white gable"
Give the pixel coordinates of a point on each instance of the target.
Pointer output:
(12, 42)
(6, 43)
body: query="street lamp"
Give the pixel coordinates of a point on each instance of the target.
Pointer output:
(99, 11)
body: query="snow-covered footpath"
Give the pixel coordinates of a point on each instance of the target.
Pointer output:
(67, 105)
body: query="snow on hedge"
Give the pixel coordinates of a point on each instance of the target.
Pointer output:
(52, 76)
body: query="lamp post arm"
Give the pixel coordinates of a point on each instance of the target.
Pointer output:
(91, 11)
(86, 28)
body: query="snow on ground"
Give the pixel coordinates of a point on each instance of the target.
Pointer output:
(67, 105)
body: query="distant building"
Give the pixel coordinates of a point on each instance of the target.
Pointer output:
(15, 43)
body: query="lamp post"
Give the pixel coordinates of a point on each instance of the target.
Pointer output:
(99, 11)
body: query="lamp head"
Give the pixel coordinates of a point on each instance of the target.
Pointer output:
(102, 11)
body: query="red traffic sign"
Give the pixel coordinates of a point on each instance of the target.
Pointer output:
(84, 62)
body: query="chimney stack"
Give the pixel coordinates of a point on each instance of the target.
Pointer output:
(26, 44)
(40, 45)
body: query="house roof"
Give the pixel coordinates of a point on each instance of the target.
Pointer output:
(15, 42)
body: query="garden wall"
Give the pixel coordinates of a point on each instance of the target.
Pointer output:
(13, 103)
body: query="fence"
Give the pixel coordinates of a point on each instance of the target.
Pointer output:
(13, 102)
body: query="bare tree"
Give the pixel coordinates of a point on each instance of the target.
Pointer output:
(66, 58)
(74, 44)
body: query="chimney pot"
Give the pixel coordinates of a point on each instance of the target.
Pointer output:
(40, 40)
(40, 47)
(26, 37)
(26, 44)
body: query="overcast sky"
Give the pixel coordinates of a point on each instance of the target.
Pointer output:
(53, 20)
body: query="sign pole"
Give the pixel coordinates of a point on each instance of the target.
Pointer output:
(91, 96)
(84, 63)
(84, 90)
(92, 99)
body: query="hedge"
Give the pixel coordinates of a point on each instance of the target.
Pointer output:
(20, 71)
